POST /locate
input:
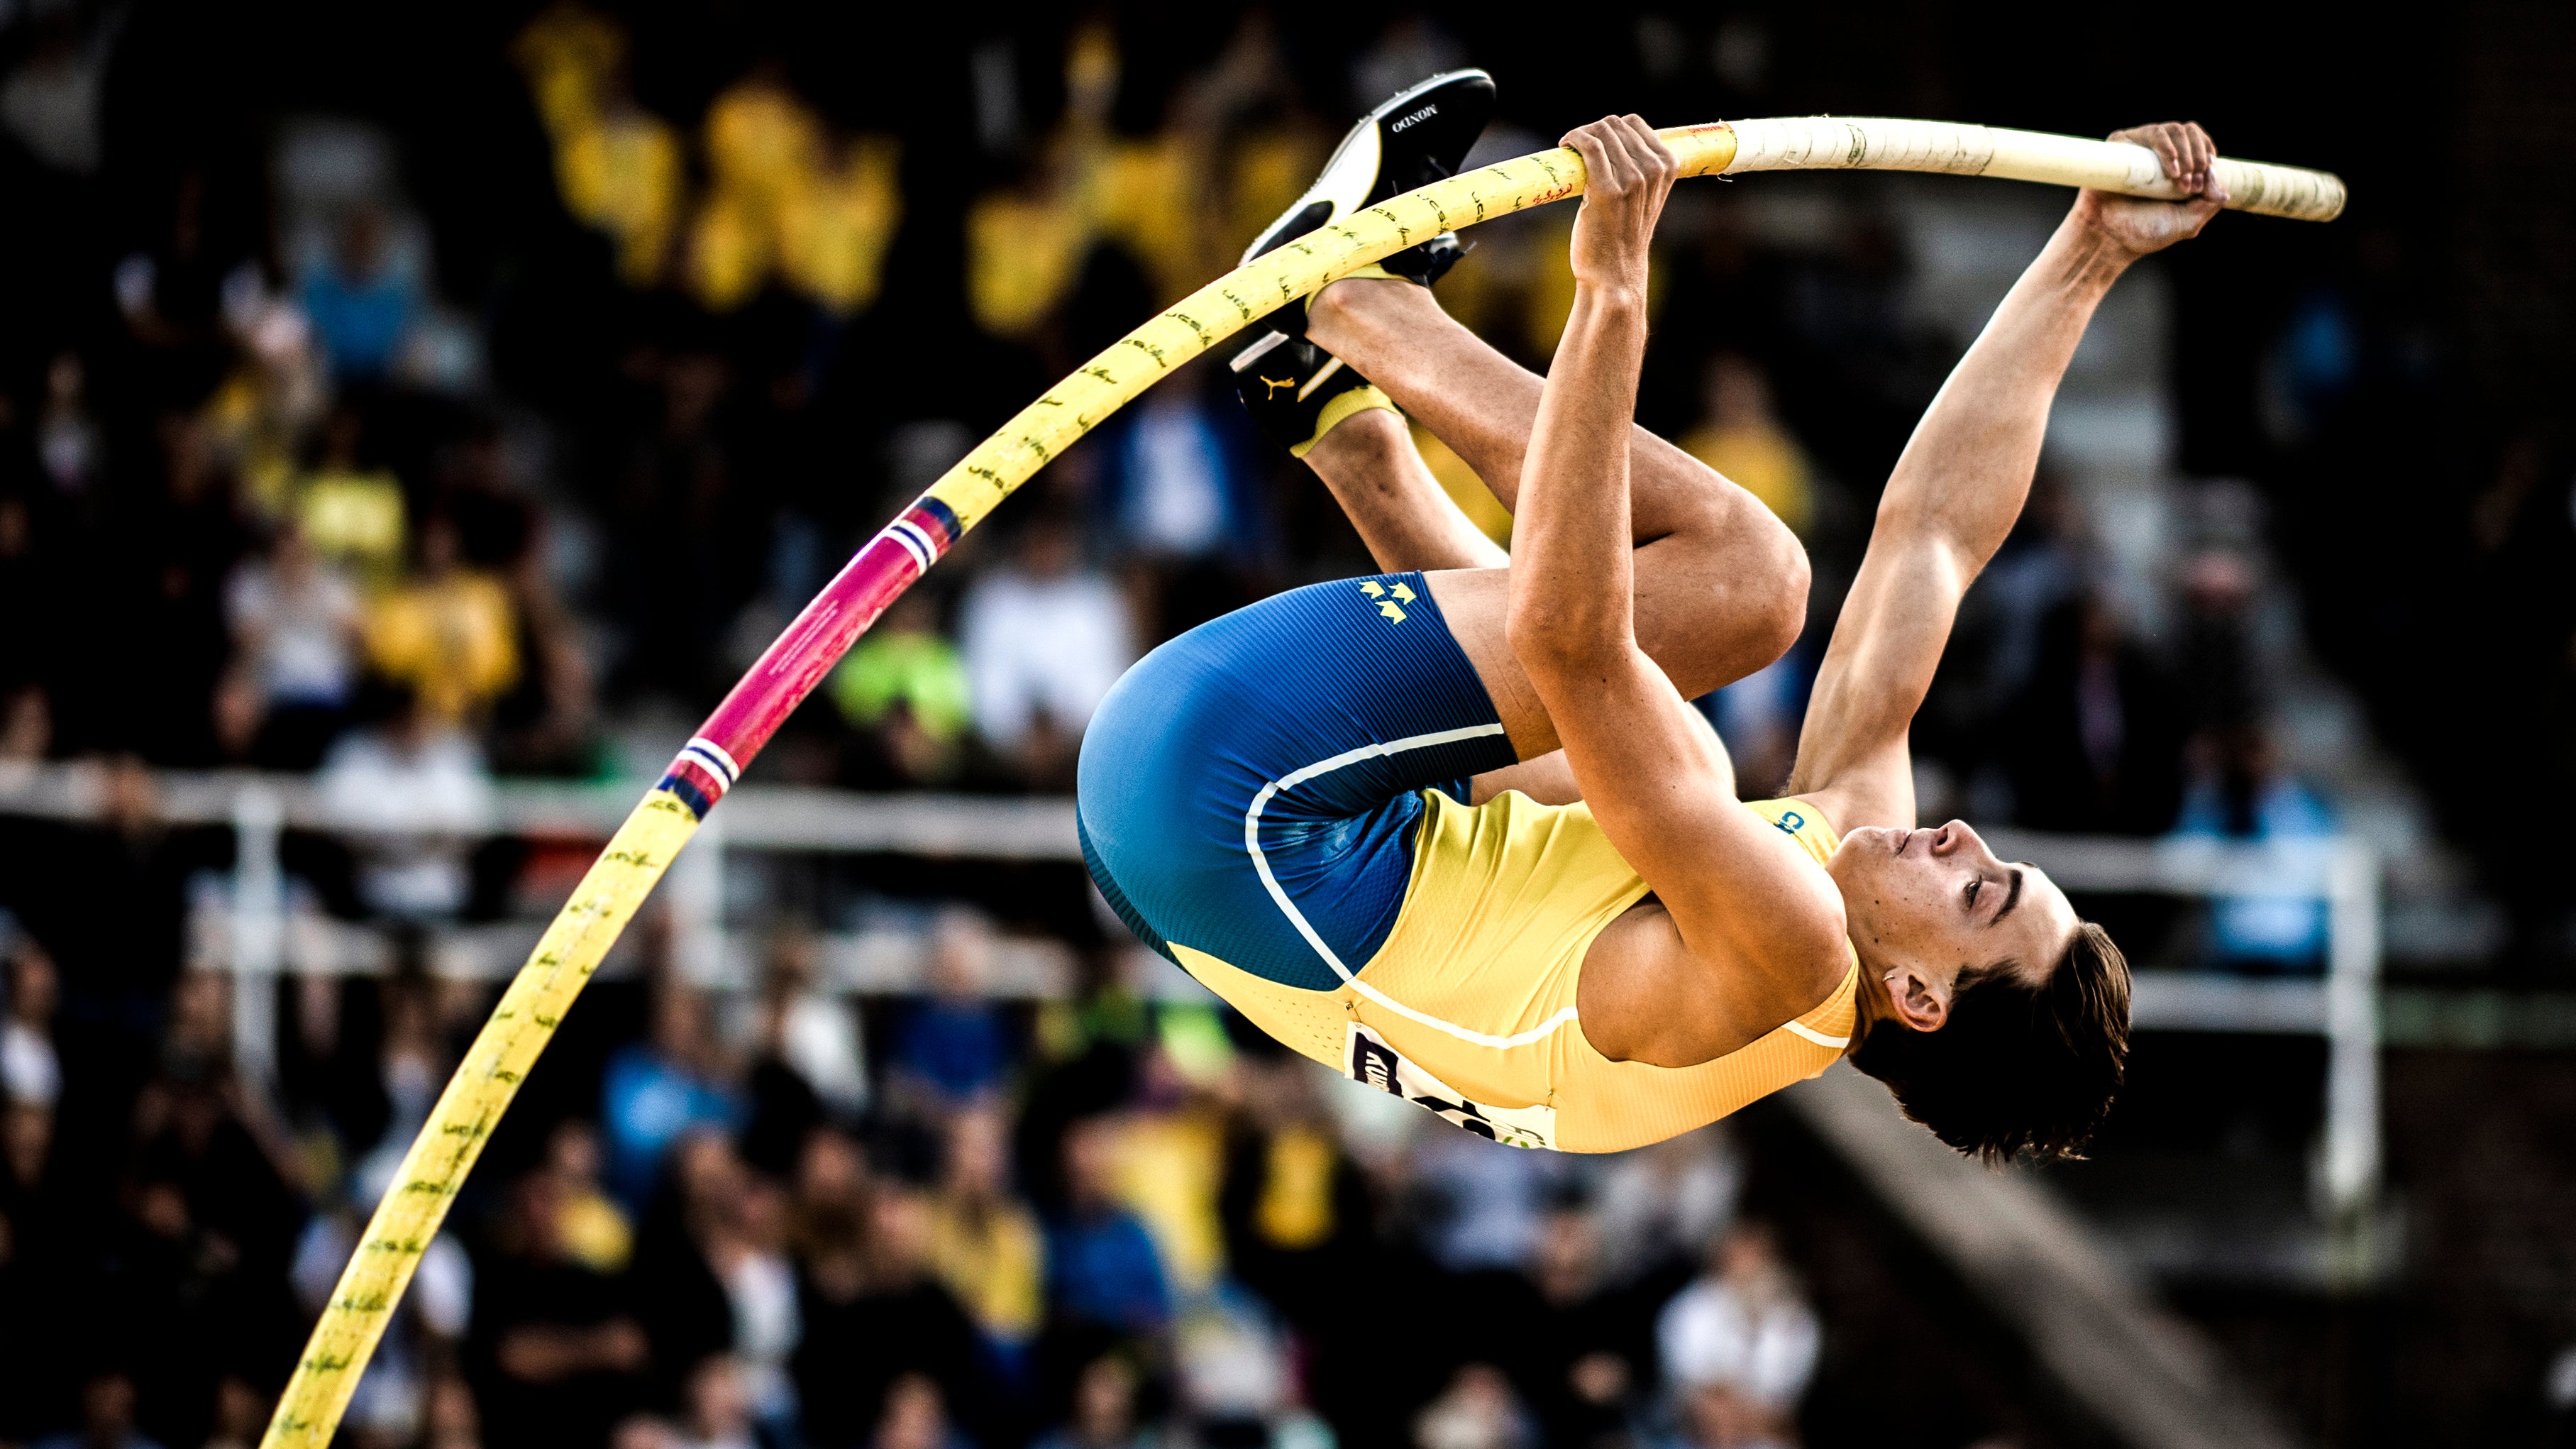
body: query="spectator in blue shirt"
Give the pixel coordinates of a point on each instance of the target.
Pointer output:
(2275, 920)
(658, 1089)
(1184, 479)
(362, 306)
(1102, 1269)
(952, 1049)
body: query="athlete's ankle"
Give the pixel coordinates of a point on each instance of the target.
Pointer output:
(1348, 315)
(1360, 444)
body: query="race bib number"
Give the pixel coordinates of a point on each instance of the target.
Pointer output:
(1371, 1062)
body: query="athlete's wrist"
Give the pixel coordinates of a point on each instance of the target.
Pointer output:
(2092, 257)
(1617, 298)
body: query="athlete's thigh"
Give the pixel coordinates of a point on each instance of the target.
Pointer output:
(1249, 790)
(1706, 620)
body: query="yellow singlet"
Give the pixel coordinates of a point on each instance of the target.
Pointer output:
(1468, 1007)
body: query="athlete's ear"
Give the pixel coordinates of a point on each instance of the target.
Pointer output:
(1922, 1001)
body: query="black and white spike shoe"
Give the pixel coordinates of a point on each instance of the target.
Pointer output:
(1297, 392)
(1418, 136)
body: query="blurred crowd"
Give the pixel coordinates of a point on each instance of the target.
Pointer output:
(795, 1220)
(290, 506)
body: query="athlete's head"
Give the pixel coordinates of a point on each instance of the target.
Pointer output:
(2003, 1022)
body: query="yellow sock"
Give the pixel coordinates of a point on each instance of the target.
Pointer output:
(1357, 400)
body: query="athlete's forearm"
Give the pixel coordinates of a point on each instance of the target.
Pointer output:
(1966, 471)
(1572, 612)
(1957, 490)
(1953, 497)
(1572, 569)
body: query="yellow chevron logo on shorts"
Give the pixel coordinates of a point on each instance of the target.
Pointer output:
(1390, 607)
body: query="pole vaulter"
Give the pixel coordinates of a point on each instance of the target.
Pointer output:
(714, 758)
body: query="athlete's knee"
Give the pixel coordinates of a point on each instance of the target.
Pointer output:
(1752, 587)
(1364, 299)
(1744, 544)
(1781, 576)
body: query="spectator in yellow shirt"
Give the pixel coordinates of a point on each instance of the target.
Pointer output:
(592, 1229)
(352, 515)
(450, 633)
(984, 1244)
(618, 167)
(1743, 438)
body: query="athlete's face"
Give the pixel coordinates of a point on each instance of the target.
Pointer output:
(1926, 905)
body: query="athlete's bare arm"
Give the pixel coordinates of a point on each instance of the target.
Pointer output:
(1960, 484)
(1749, 934)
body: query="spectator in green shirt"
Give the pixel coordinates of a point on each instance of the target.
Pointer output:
(903, 689)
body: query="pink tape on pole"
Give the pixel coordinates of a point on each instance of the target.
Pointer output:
(791, 668)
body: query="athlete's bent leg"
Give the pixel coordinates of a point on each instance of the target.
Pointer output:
(1721, 584)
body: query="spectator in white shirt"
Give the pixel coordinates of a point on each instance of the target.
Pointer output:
(1660, 1206)
(413, 794)
(31, 1074)
(749, 1256)
(1044, 638)
(1739, 1344)
(804, 1027)
(295, 622)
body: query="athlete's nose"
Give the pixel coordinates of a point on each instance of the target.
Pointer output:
(1955, 837)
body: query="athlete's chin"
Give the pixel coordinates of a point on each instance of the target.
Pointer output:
(1856, 867)
(1873, 872)
(1872, 842)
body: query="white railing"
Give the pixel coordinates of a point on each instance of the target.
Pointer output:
(2342, 1006)
(761, 817)
(257, 936)
(256, 930)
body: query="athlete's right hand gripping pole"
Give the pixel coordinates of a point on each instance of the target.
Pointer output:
(449, 1143)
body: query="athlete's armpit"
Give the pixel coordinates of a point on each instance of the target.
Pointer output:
(1549, 780)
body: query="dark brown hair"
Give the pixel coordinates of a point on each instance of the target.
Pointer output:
(2016, 1068)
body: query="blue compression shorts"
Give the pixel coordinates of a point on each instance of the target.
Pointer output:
(1310, 722)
